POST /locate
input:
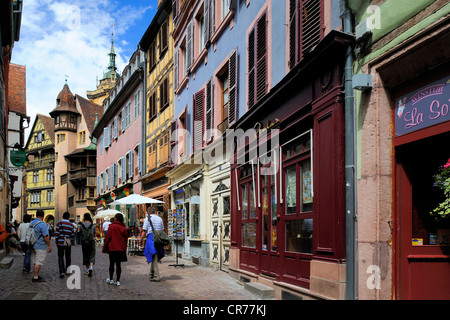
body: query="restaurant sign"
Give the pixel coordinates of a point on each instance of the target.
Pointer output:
(423, 108)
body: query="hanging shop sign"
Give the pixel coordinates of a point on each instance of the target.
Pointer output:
(423, 108)
(18, 158)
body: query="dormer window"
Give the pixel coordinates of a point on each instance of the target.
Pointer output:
(58, 102)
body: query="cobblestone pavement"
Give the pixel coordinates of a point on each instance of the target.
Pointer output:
(192, 282)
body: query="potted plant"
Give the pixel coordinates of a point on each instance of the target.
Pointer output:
(442, 181)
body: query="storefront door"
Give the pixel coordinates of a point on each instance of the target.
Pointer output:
(221, 236)
(270, 255)
(423, 261)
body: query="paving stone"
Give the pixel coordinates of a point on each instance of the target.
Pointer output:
(194, 282)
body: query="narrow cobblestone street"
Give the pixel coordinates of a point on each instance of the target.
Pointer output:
(192, 282)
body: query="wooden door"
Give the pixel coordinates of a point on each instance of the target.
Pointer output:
(423, 266)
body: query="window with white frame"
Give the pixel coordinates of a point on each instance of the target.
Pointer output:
(49, 195)
(35, 176)
(50, 174)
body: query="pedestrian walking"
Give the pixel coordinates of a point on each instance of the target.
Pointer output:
(23, 227)
(105, 226)
(152, 251)
(42, 245)
(78, 233)
(73, 239)
(63, 235)
(116, 246)
(51, 231)
(88, 243)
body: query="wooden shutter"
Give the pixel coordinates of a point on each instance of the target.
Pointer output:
(130, 163)
(233, 85)
(123, 120)
(152, 156)
(109, 134)
(190, 45)
(164, 149)
(198, 120)
(115, 174)
(251, 69)
(211, 18)
(209, 111)
(115, 127)
(140, 158)
(175, 67)
(261, 56)
(206, 17)
(174, 9)
(173, 142)
(105, 137)
(294, 36)
(310, 25)
(123, 169)
(257, 61)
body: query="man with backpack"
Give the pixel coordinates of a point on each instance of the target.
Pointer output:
(88, 243)
(42, 244)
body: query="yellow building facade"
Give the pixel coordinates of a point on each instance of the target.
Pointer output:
(40, 179)
(157, 43)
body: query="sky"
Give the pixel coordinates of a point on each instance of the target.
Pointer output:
(71, 39)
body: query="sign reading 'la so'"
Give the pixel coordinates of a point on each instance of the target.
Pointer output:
(423, 108)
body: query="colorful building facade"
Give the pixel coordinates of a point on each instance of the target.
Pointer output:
(75, 156)
(402, 142)
(157, 121)
(40, 171)
(118, 136)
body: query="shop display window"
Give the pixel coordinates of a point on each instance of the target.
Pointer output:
(298, 195)
(248, 205)
(299, 235)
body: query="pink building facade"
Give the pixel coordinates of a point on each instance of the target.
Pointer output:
(119, 135)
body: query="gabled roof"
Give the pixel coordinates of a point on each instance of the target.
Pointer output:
(89, 111)
(17, 89)
(49, 126)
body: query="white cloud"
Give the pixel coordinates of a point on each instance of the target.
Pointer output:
(72, 38)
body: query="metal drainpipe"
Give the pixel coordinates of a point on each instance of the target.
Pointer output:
(350, 196)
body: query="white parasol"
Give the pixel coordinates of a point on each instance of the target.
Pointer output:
(135, 199)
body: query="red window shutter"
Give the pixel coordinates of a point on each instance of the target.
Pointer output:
(257, 61)
(198, 120)
(310, 25)
(251, 69)
(233, 85)
(190, 44)
(261, 50)
(294, 36)
(209, 111)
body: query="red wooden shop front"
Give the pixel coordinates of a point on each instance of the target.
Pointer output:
(423, 245)
(282, 221)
